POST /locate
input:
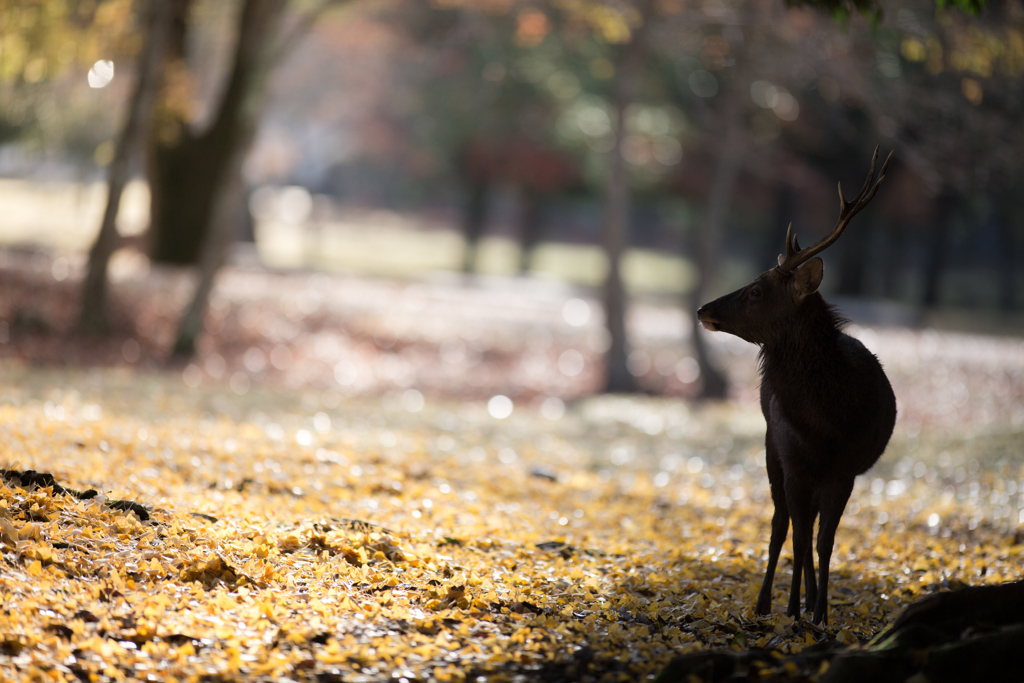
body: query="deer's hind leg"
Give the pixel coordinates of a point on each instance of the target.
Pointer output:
(780, 525)
(799, 496)
(810, 585)
(833, 503)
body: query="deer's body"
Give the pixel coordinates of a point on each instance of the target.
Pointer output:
(825, 395)
(827, 403)
(830, 411)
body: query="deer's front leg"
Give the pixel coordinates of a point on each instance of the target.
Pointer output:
(780, 527)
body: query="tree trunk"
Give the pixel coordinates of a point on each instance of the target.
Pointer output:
(231, 136)
(182, 179)
(473, 217)
(937, 252)
(713, 381)
(1007, 255)
(189, 169)
(176, 205)
(212, 255)
(973, 634)
(614, 240)
(615, 236)
(93, 315)
(530, 212)
(893, 257)
(853, 260)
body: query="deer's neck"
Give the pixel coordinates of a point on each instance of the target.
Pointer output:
(804, 360)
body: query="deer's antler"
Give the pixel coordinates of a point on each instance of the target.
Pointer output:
(795, 256)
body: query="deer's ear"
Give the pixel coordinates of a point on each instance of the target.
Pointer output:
(808, 277)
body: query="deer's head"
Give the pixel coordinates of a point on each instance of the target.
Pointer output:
(763, 309)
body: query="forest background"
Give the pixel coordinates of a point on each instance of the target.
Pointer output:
(354, 255)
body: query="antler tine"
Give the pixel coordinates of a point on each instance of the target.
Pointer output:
(870, 188)
(870, 178)
(843, 204)
(871, 185)
(847, 210)
(792, 247)
(881, 177)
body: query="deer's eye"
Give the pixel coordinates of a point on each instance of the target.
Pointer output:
(755, 293)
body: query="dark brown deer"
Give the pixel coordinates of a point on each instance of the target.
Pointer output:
(828, 404)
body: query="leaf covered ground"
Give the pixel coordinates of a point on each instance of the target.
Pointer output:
(382, 538)
(329, 497)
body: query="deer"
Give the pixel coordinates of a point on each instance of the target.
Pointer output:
(828, 405)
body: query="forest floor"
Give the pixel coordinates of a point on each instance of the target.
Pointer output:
(330, 492)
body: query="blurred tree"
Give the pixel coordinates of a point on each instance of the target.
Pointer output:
(536, 167)
(157, 26)
(44, 39)
(196, 178)
(550, 42)
(591, 62)
(199, 177)
(850, 132)
(189, 164)
(627, 63)
(843, 9)
(722, 56)
(474, 109)
(485, 113)
(713, 381)
(1008, 260)
(947, 90)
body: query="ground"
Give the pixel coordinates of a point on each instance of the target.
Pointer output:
(354, 511)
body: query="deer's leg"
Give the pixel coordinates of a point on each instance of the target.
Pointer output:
(833, 502)
(780, 527)
(801, 510)
(810, 585)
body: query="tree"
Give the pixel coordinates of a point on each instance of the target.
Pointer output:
(537, 168)
(713, 381)
(207, 166)
(946, 89)
(842, 10)
(187, 163)
(482, 123)
(92, 318)
(628, 67)
(217, 157)
(196, 179)
(483, 115)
